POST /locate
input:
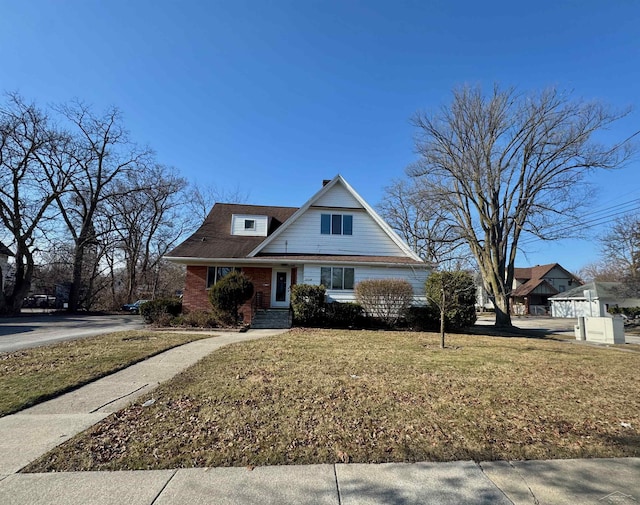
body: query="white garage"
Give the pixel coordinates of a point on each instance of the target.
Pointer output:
(591, 300)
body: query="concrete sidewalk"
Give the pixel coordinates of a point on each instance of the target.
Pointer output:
(32, 432)
(560, 482)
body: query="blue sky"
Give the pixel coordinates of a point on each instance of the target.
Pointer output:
(271, 97)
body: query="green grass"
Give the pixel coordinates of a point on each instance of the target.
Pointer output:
(33, 375)
(317, 396)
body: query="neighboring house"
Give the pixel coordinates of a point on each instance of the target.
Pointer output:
(5, 252)
(591, 300)
(533, 286)
(335, 239)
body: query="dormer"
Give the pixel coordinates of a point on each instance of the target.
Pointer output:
(247, 225)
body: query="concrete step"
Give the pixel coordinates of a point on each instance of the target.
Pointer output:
(271, 319)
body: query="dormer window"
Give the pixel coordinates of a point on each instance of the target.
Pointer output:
(336, 224)
(249, 225)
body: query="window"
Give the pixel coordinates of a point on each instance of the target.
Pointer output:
(214, 274)
(249, 224)
(336, 224)
(337, 277)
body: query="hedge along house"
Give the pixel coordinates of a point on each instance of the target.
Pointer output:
(335, 239)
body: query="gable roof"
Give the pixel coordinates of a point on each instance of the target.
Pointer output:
(214, 233)
(539, 272)
(338, 179)
(534, 280)
(214, 241)
(541, 285)
(602, 290)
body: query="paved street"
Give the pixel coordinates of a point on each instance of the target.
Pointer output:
(42, 329)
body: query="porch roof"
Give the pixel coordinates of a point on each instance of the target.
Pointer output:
(534, 286)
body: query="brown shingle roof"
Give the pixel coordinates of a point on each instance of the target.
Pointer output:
(214, 240)
(537, 272)
(531, 285)
(533, 278)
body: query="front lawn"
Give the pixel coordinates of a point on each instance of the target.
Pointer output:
(37, 374)
(319, 396)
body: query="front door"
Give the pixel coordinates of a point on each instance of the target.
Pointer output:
(280, 287)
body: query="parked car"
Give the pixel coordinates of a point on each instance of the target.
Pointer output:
(134, 307)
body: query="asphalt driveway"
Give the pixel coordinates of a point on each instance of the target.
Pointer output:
(42, 329)
(555, 325)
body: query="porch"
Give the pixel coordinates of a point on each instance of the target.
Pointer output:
(270, 305)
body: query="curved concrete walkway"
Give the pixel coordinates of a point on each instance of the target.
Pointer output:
(32, 432)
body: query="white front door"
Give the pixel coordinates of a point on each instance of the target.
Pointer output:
(280, 287)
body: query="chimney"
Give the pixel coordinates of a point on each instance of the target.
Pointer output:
(325, 182)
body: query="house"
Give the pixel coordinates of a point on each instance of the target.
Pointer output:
(5, 252)
(335, 239)
(591, 300)
(533, 286)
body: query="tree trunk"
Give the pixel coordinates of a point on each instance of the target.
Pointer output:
(22, 285)
(442, 316)
(503, 316)
(76, 283)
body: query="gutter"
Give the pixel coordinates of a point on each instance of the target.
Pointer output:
(293, 261)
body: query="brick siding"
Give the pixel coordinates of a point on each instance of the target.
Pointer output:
(261, 278)
(196, 297)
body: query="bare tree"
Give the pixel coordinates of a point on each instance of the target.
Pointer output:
(619, 255)
(507, 164)
(620, 246)
(418, 218)
(147, 221)
(102, 152)
(600, 271)
(33, 173)
(202, 198)
(453, 293)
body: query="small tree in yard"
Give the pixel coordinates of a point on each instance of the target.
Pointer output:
(384, 299)
(229, 293)
(454, 295)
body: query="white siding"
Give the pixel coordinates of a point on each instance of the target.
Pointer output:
(558, 279)
(304, 237)
(237, 225)
(416, 277)
(575, 308)
(338, 196)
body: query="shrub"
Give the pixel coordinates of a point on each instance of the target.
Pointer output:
(343, 315)
(630, 312)
(385, 299)
(422, 318)
(307, 303)
(199, 319)
(228, 294)
(160, 311)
